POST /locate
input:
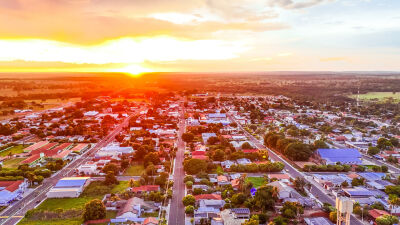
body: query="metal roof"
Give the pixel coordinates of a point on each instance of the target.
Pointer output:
(71, 182)
(344, 156)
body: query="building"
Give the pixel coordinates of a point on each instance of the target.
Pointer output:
(343, 156)
(69, 187)
(317, 221)
(36, 146)
(11, 191)
(87, 169)
(241, 213)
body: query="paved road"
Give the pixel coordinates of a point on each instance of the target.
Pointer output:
(176, 211)
(316, 189)
(18, 210)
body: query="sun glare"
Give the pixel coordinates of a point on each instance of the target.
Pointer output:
(132, 70)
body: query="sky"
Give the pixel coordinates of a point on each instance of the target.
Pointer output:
(137, 36)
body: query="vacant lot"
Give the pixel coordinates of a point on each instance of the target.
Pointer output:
(378, 96)
(134, 170)
(12, 163)
(256, 181)
(14, 150)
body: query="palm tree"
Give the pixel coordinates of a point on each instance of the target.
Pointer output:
(242, 181)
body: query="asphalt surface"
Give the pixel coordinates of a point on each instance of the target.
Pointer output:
(315, 190)
(177, 209)
(14, 213)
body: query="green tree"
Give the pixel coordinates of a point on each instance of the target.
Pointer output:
(194, 166)
(387, 220)
(246, 145)
(298, 151)
(319, 144)
(111, 167)
(373, 150)
(110, 179)
(189, 209)
(265, 197)
(189, 200)
(94, 210)
(151, 157)
(219, 155)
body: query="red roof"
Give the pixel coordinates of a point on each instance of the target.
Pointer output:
(208, 197)
(199, 153)
(150, 220)
(250, 150)
(375, 213)
(11, 186)
(146, 188)
(202, 157)
(279, 176)
(31, 159)
(43, 149)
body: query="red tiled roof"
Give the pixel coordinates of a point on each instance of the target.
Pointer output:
(150, 220)
(375, 213)
(11, 186)
(250, 150)
(208, 196)
(199, 153)
(202, 157)
(279, 176)
(43, 149)
(31, 159)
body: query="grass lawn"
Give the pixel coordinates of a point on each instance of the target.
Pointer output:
(256, 181)
(74, 221)
(12, 163)
(14, 150)
(134, 170)
(378, 95)
(153, 214)
(52, 204)
(121, 187)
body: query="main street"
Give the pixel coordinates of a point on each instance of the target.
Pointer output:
(14, 213)
(176, 211)
(315, 190)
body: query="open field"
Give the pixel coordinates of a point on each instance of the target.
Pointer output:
(378, 96)
(14, 150)
(12, 163)
(134, 170)
(256, 181)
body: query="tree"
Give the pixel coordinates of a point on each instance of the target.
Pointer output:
(299, 184)
(111, 167)
(291, 209)
(252, 221)
(189, 209)
(188, 178)
(219, 155)
(246, 145)
(151, 157)
(333, 216)
(298, 151)
(265, 197)
(357, 182)
(373, 150)
(187, 137)
(189, 200)
(151, 170)
(318, 144)
(194, 166)
(212, 140)
(279, 220)
(344, 184)
(94, 210)
(384, 144)
(387, 220)
(110, 179)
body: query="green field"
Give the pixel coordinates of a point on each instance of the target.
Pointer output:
(134, 170)
(378, 96)
(256, 181)
(121, 187)
(73, 221)
(14, 150)
(12, 163)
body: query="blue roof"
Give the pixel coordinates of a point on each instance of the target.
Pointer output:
(344, 156)
(370, 176)
(208, 135)
(70, 183)
(217, 115)
(359, 192)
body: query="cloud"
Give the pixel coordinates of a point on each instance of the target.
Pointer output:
(333, 59)
(293, 4)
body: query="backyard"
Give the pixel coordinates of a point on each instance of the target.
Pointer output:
(134, 170)
(256, 181)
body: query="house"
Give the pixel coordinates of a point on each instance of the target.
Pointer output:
(243, 161)
(227, 164)
(205, 213)
(208, 197)
(69, 187)
(11, 191)
(32, 160)
(150, 221)
(241, 213)
(344, 156)
(223, 180)
(375, 213)
(317, 221)
(134, 207)
(216, 204)
(284, 191)
(87, 169)
(358, 192)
